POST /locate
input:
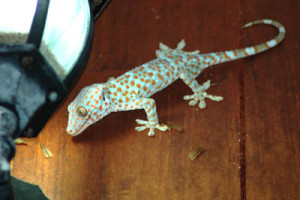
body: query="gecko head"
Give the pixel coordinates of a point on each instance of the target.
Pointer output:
(91, 104)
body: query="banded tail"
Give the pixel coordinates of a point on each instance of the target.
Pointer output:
(224, 56)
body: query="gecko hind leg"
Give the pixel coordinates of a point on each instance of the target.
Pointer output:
(199, 92)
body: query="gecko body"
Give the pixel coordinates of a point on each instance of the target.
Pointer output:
(133, 89)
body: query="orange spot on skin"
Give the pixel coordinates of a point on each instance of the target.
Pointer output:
(113, 86)
(138, 85)
(106, 103)
(267, 46)
(96, 101)
(132, 83)
(127, 76)
(153, 82)
(176, 62)
(142, 80)
(115, 94)
(145, 88)
(147, 81)
(160, 77)
(150, 74)
(126, 81)
(93, 106)
(168, 74)
(133, 92)
(141, 68)
(135, 77)
(100, 108)
(245, 52)
(122, 83)
(226, 56)
(127, 99)
(119, 89)
(120, 100)
(88, 103)
(109, 92)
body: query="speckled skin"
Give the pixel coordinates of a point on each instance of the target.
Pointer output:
(133, 89)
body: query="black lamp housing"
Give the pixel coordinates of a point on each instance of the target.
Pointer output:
(31, 89)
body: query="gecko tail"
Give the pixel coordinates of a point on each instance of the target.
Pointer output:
(224, 56)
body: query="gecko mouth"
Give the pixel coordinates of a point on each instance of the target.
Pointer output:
(80, 130)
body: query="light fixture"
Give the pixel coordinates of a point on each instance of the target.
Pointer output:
(44, 46)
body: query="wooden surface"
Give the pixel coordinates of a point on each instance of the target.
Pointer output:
(251, 139)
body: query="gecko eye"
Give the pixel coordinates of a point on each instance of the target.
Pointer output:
(81, 111)
(103, 97)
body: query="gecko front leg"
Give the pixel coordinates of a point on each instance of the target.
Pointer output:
(149, 106)
(199, 91)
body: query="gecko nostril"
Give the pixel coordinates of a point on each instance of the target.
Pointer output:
(69, 130)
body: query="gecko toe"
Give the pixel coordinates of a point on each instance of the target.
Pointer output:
(140, 128)
(151, 132)
(143, 122)
(162, 127)
(193, 102)
(202, 104)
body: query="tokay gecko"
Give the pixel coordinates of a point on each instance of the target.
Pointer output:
(133, 89)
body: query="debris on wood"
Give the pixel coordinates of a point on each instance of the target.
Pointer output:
(46, 152)
(20, 141)
(197, 152)
(173, 127)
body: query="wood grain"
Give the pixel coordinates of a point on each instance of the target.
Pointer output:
(272, 106)
(110, 160)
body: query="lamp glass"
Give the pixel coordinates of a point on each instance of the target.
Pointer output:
(65, 34)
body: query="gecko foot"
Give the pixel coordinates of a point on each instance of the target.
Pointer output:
(200, 95)
(151, 126)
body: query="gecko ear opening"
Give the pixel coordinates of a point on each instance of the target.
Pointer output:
(103, 97)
